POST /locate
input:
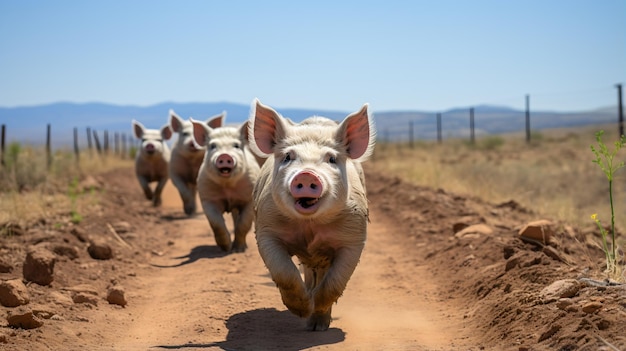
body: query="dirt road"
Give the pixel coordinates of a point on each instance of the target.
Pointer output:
(194, 296)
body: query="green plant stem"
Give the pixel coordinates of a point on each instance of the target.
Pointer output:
(613, 248)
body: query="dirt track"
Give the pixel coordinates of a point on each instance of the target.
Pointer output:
(195, 296)
(417, 287)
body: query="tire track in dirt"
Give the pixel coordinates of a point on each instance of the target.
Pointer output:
(193, 296)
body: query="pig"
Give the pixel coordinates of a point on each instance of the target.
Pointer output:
(153, 157)
(310, 201)
(225, 181)
(187, 158)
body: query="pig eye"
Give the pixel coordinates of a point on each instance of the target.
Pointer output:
(287, 158)
(186, 134)
(332, 159)
(236, 145)
(213, 146)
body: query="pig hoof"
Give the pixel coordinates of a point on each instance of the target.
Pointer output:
(239, 247)
(190, 209)
(225, 248)
(318, 322)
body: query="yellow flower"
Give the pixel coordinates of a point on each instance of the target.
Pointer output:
(594, 216)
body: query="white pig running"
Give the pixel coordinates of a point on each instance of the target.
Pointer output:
(225, 181)
(310, 201)
(187, 158)
(151, 163)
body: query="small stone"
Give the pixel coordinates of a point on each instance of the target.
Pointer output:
(23, 317)
(59, 298)
(592, 307)
(13, 293)
(540, 231)
(480, 229)
(87, 298)
(115, 296)
(39, 266)
(560, 289)
(100, 251)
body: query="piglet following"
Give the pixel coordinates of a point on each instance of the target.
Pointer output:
(151, 163)
(225, 181)
(187, 158)
(310, 201)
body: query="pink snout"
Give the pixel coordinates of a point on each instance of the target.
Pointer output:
(306, 185)
(191, 146)
(149, 148)
(225, 164)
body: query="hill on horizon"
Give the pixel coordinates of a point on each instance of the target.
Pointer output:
(27, 124)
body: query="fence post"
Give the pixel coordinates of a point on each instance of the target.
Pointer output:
(105, 142)
(3, 133)
(97, 141)
(76, 152)
(89, 139)
(472, 137)
(116, 143)
(620, 110)
(48, 148)
(439, 128)
(124, 154)
(527, 118)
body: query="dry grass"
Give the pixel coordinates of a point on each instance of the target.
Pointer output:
(553, 175)
(30, 191)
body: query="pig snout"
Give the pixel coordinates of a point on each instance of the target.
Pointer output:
(191, 146)
(150, 148)
(306, 187)
(225, 164)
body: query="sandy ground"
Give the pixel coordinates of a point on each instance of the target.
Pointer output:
(417, 287)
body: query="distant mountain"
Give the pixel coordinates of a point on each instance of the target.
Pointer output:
(28, 124)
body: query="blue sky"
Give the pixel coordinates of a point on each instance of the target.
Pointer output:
(396, 55)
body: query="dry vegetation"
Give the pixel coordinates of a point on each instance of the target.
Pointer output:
(30, 191)
(553, 175)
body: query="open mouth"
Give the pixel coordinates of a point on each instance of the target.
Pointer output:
(307, 205)
(225, 171)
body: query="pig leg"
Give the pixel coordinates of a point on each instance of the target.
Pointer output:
(189, 203)
(285, 274)
(146, 187)
(243, 222)
(190, 207)
(157, 192)
(216, 220)
(331, 285)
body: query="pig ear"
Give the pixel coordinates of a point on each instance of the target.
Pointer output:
(138, 129)
(358, 134)
(243, 132)
(200, 132)
(266, 128)
(176, 122)
(166, 132)
(217, 120)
